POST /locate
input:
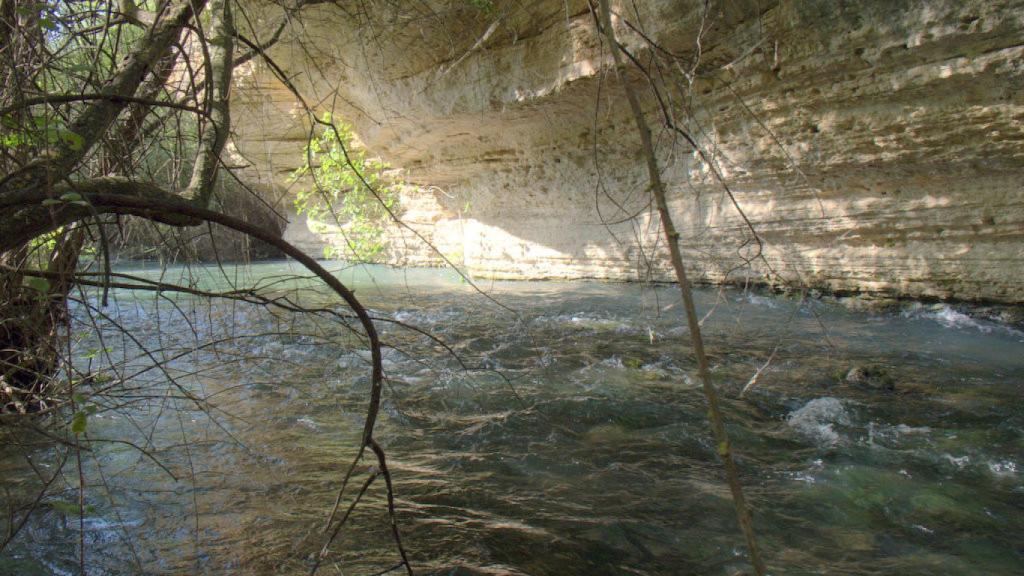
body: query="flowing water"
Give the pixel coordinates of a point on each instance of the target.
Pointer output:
(574, 441)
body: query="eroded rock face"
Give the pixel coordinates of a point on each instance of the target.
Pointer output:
(874, 146)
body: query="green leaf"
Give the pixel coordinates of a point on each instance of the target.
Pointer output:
(78, 423)
(486, 6)
(71, 196)
(723, 449)
(78, 398)
(13, 141)
(51, 202)
(71, 508)
(41, 285)
(64, 507)
(73, 140)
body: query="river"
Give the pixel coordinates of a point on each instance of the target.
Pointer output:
(575, 441)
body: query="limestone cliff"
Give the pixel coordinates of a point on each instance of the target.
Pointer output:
(874, 146)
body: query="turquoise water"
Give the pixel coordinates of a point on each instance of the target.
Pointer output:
(574, 441)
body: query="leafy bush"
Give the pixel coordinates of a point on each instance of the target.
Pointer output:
(348, 189)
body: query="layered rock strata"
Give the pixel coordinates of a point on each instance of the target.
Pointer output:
(874, 146)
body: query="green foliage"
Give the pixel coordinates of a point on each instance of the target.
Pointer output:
(72, 58)
(349, 189)
(79, 423)
(38, 133)
(42, 250)
(483, 5)
(39, 285)
(95, 352)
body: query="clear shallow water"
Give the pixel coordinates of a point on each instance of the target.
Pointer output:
(576, 443)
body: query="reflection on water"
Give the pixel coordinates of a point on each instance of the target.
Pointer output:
(574, 443)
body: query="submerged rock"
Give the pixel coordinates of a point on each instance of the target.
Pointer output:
(869, 376)
(604, 434)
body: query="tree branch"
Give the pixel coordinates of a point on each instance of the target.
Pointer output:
(218, 77)
(95, 121)
(724, 448)
(27, 216)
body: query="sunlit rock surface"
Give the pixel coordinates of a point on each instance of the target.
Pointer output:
(875, 146)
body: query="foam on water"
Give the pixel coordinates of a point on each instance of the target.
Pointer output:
(950, 317)
(758, 300)
(816, 419)
(1004, 468)
(959, 461)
